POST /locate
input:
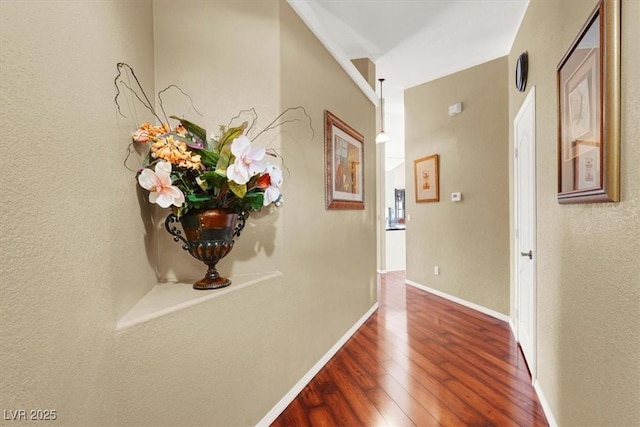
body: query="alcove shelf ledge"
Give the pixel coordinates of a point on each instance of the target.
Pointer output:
(166, 298)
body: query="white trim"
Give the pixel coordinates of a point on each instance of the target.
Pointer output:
(382, 271)
(310, 18)
(545, 404)
(514, 330)
(167, 298)
(293, 393)
(460, 301)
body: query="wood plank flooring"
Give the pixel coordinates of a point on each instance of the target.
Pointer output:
(421, 360)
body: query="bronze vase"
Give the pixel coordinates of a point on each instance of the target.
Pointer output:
(209, 238)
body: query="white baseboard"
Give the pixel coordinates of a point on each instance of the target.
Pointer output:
(545, 405)
(288, 398)
(460, 301)
(382, 271)
(513, 328)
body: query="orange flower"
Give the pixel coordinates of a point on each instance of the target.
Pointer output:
(176, 152)
(148, 132)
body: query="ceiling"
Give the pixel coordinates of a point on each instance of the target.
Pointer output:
(413, 42)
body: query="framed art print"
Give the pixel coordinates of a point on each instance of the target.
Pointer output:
(426, 179)
(588, 79)
(344, 165)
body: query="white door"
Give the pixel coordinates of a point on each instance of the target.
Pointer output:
(525, 223)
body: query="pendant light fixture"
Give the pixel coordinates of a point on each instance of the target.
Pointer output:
(382, 136)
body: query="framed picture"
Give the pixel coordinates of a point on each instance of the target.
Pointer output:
(344, 160)
(588, 79)
(426, 179)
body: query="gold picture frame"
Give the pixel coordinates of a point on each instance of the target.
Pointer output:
(588, 78)
(426, 179)
(344, 164)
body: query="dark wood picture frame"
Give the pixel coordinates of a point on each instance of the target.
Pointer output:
(588, 79)
(426, 179)
(344, 164)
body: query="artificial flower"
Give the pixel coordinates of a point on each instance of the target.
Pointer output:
(161, 190)
(187, 168)
(248, 160)
(272, 192)
(141, 136)
(175, 151)
(152, 132)
(264, 181)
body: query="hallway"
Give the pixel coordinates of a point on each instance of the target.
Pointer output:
(421, 360)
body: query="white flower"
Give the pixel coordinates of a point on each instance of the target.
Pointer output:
(248, 160)
(272, 192)
(159, 185)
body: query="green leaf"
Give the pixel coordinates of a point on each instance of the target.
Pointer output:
(213, 174)
(208, 158)
(253, 200)
(192, 127)
(199, 198)
(181, 138)
(224, 159)
(238, 189)
(214, 178)
(231, 134)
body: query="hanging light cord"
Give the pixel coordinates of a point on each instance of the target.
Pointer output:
(381, 107)
(382, 136)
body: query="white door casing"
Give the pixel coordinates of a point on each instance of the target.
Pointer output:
(525, 229)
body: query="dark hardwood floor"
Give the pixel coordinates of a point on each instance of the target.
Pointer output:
(421, 360)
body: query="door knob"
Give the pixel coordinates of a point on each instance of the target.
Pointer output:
(529, 254)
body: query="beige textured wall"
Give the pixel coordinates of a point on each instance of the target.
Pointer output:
(72, 236)
(228, 361)
(468, 240)
(588, 255)
(232, 74)
(73, 268)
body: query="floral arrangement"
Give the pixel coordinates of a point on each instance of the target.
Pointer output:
(185, 168)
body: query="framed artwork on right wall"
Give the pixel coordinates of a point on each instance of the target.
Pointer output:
(588, 79)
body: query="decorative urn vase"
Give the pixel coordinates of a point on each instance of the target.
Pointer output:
(209, 238)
